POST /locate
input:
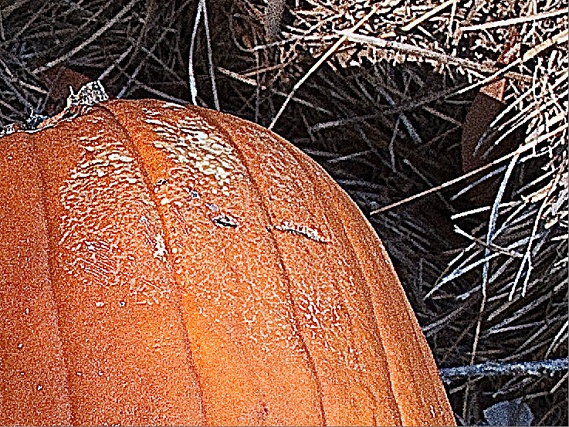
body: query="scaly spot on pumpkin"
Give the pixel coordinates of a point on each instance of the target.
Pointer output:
(301, 230)
(106, 169)
(192, 141)
(160, 252)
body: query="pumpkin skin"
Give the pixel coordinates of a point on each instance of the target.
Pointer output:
(174, 265)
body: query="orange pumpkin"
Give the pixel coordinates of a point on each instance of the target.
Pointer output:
(173, 265)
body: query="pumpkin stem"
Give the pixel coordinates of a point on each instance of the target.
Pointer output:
(88, 95)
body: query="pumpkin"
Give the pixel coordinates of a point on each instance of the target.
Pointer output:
(166, 264)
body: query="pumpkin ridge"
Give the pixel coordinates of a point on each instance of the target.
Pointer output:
(72, 411)
(209, 116)
(141, 162)
(30, 375)
(327, 187)
(420, 356)
(118, 308)
(244, 127)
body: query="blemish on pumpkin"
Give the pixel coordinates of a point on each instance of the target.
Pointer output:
(100, 271)
(301, 230)
(147, 200)
(150, 112)
(172, 105)
(224, 221)
(212, 207)
(146, 292)
(122, 158)
(262, 412)
(160, 248)
(80, 175)
(90, 137)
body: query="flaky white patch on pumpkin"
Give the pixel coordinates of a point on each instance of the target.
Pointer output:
(107, 172)
(192, 141)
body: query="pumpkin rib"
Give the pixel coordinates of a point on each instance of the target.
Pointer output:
(432, 394)
(411, 374)
(295, 305)
(110, 336)
(26, 295)
(328, 188)
(423, 356)
(286, 277)
(141, 163)
(244, 128)
(72, 410)
(341, 235)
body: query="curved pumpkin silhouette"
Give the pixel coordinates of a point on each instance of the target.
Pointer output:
(174, 265)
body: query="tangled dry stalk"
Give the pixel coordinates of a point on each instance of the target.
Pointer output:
(379, 94)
